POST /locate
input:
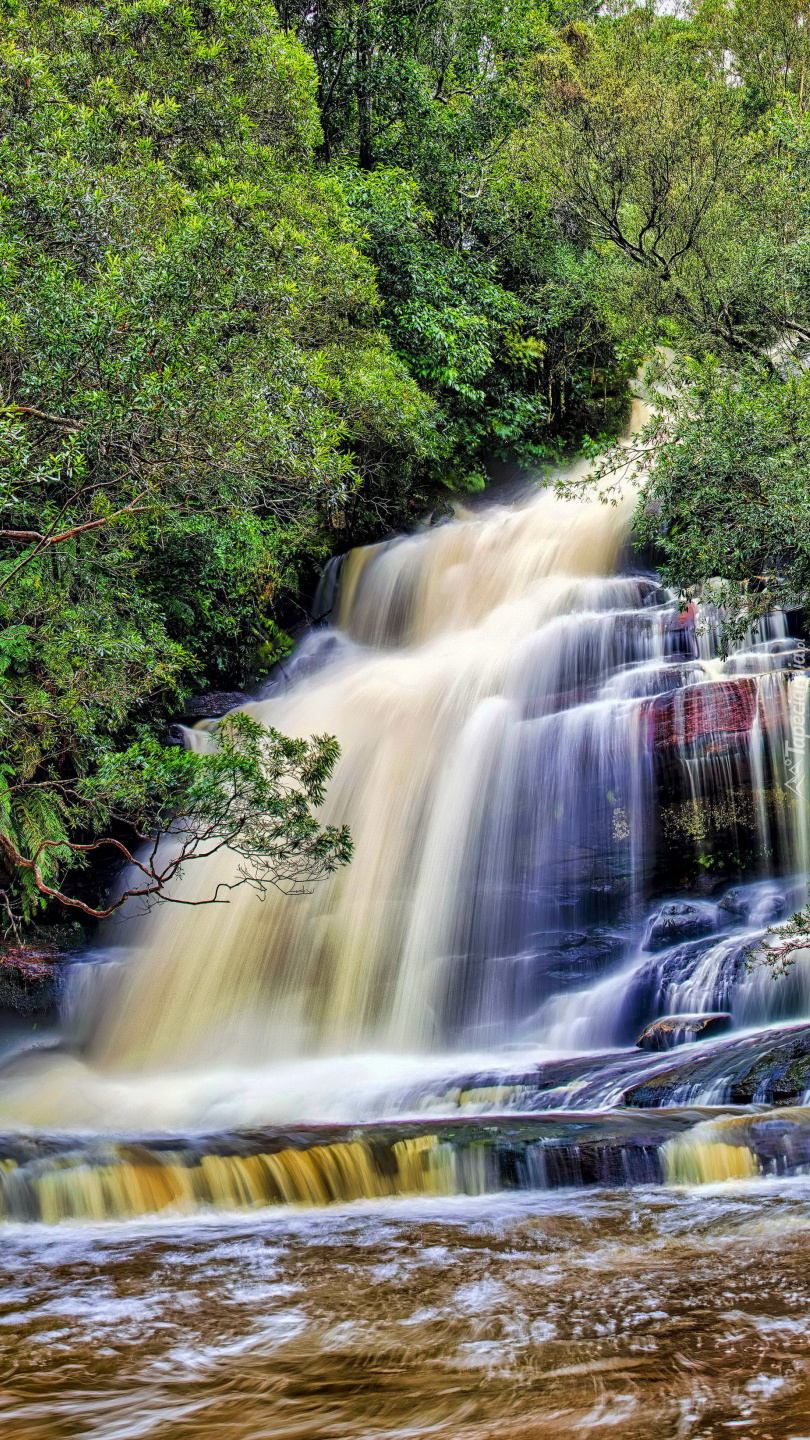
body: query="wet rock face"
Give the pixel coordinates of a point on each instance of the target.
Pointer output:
(567, 959)
(30, 980)
(679, 921)
(212, 705)
(708, 716)
(672, 1030)
(771, 1068)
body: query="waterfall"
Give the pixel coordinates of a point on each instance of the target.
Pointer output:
(797, 765)
(541, 751)
(469, 720)
(523, 731)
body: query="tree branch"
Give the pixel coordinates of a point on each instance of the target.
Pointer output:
(64, 420)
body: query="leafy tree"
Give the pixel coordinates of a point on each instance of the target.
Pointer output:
(764, 43)
(492, 307)
(254, 793)
(645, 144)
(725, 486)
(729, 483)
(194, 382)
(700, 210)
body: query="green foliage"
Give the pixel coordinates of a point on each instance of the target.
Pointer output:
(275, 278)
(194, 382)
(493, 307)
(728, 493)
(254, 793)
(500, 330)
(778, 950)
(644, 143)
(682, 147)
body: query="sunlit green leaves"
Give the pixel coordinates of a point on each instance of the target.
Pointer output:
(193, 381)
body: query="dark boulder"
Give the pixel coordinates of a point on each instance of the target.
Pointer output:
(212, 705)
(203, 707)
(679, 921)
(30, 980)
(672, 1030)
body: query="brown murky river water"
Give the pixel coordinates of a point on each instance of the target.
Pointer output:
(644, 1314)
(537, 745)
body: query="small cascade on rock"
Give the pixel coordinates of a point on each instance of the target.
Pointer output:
(797, 767)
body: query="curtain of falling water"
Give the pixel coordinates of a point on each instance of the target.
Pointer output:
(502, 700)
(432, 768)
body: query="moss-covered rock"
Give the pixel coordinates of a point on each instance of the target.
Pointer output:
(770, 1068)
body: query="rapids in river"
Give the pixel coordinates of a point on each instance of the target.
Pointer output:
(385, 1159)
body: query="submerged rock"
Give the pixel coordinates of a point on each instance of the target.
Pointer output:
(564, 959)
(770, 1068)
(672, 1030)
(760, 904)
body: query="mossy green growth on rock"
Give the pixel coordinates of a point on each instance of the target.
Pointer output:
(770, 1068)
(722, 832)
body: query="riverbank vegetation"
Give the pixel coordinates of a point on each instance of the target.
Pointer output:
(281, 279)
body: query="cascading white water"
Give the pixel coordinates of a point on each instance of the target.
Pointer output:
(528, 736)
(444, 739)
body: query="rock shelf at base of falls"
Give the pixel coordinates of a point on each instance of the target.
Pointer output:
(671, 1030)
(62, 1177)
(769, 1068)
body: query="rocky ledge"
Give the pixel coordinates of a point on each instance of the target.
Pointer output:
(672, 1030)
(709, 717)
(212, 705)
(30, 979)
(769, 1068)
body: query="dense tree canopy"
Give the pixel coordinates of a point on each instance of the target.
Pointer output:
(270, 283)
(278, 278)
(681, 147)
(487, 298)
(193, 379)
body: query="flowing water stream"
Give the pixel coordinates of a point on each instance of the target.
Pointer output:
(385, 1159)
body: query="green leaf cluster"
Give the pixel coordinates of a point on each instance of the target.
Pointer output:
(488, 295)
(193, 383)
